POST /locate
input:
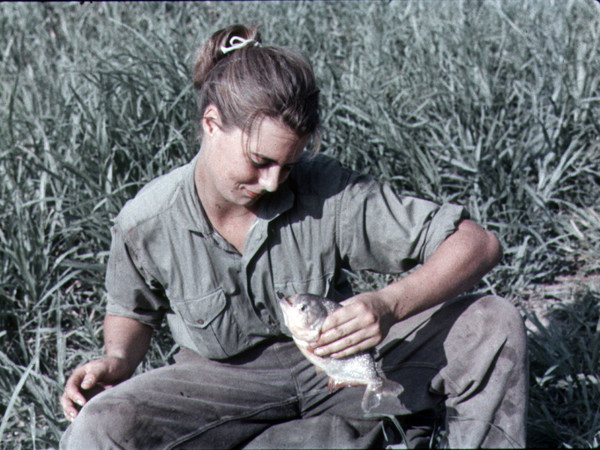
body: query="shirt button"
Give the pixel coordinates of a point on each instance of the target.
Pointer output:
(200, 322)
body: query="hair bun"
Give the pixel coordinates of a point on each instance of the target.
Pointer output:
(221, 44)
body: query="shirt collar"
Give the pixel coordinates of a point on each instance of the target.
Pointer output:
(197, 221)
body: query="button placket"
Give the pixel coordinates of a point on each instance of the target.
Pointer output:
(256, 240)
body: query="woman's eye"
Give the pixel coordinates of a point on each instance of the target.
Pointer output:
(265, 163)
(260, 164)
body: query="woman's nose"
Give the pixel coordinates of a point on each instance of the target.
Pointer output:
(269, 178)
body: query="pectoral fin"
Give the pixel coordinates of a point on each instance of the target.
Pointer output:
(333, 385)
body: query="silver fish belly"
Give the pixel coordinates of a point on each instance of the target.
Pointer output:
(304, 315)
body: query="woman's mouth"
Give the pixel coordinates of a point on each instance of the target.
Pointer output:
(252, 194)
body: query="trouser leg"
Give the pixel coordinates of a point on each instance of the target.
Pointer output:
(197, 403)
(467, 356)
(485, 381)
(471, 354)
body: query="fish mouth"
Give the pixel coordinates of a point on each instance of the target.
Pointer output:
(283, 299)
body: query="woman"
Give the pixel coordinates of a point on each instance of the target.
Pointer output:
(210, 244)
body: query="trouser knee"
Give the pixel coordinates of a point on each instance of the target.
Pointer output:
(489, 320)
(101, 423)
(502, 317)
(487, 335)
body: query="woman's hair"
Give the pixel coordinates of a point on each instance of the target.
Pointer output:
(248, 82)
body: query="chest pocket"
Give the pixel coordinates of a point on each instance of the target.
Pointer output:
(211, 325)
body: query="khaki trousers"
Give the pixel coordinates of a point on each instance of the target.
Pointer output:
(462, 364)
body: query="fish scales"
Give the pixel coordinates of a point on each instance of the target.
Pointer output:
(304, 316)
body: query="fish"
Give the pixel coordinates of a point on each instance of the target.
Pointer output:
(304, 315)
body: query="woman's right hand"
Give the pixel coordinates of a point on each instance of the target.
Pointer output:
(91, 379)
(126, 342)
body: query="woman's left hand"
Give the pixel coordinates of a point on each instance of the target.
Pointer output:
(362, 322)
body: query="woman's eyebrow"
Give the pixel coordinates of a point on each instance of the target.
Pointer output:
(271, 160)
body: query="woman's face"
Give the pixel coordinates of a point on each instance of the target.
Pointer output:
(239, 168)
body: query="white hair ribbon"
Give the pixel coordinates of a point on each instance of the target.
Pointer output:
(237, 42)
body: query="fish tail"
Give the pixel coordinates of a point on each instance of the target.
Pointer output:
(374, 391)
(390, 387)
(372, 397)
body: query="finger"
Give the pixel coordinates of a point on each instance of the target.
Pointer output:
(68, 407)
(337, 333)
(351, 319)
(95, 373)
(343, 337)
(85, 377)
(349, 343)
(348, 301)
(352, 311)
(90, 380)
(72, 388)
(338, 317)
(356, 348)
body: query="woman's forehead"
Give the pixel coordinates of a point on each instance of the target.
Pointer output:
(270, 127)
(271, 138)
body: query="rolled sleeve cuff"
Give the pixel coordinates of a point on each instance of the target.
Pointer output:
(153, 319)
(442, 225)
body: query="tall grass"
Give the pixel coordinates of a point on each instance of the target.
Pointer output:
(565, 384)
(492, 104)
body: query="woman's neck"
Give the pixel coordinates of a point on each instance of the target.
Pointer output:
(232, 222)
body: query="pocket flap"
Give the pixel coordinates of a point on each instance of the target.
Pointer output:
(202, 311)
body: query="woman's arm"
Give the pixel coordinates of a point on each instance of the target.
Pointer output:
(126, 341)
(458, 263)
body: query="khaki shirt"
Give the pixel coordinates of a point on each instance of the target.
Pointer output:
(166, 259)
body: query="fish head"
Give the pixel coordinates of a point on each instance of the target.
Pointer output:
(304, 315)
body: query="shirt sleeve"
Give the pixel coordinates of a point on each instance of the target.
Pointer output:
(131, 292)
(382, 232)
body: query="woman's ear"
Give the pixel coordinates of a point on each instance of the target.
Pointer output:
(211, 120)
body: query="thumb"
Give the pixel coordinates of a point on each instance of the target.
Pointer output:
(89, 380)
(94, 372)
